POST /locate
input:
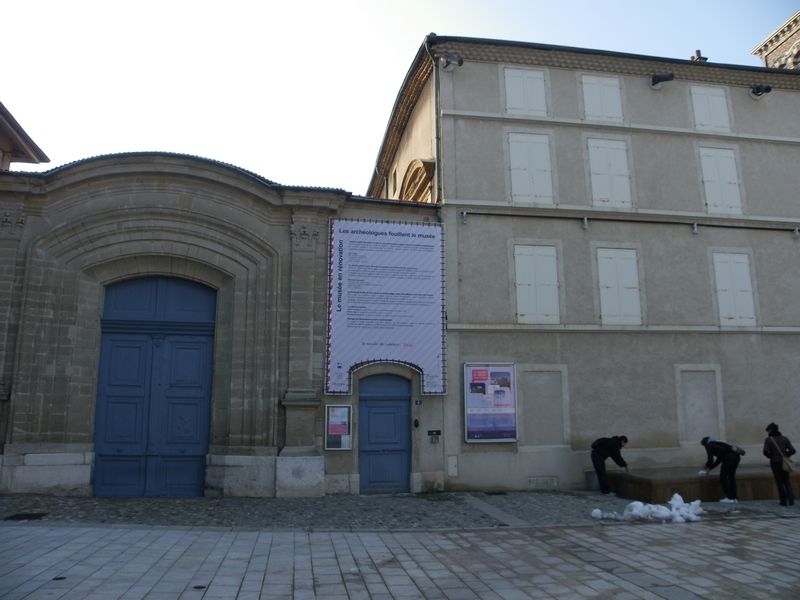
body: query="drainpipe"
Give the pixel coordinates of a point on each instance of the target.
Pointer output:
(437, 159)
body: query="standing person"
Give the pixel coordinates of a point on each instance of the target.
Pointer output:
(602, 449)
(720, 452)
(776, 446)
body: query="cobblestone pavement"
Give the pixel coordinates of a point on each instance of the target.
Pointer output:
(460, 510)
(447, 546)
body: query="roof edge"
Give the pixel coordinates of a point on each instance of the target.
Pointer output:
(31, 150)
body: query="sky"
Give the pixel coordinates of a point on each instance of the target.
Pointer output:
(297, 92)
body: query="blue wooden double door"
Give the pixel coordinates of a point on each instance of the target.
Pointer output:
(384, 434)
(154, 388)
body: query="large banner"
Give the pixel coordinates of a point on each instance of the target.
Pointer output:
(386, 300)
(490, 404)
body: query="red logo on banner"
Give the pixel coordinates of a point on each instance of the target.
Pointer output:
(480, 375)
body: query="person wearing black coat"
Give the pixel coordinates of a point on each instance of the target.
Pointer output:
(602, 449)
(776, 446)
(725, 454)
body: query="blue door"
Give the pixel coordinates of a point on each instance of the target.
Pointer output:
(154, 388)
(384, 434)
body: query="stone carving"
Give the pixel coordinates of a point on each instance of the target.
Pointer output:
(789, 59)
(11, 224)
(302, 237)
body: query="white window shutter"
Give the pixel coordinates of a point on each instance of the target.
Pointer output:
(525, 92)
(734, 289)
(521, 191)
(602, 100)
(720, 181)
(710, 109)
(531, 174)
(618, 276)
(608, 165)
(537, 284)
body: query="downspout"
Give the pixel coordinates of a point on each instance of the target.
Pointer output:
(437, 159)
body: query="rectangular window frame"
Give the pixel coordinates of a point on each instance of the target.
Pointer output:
(722, 195)
(606, 187)
(709, 103)
(602, 98)
(544, 283)
(523, 174)
(529, 97)
(736, 304)
(614, 288)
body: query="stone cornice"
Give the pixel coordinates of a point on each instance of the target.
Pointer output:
(776, 37)
(615, 62)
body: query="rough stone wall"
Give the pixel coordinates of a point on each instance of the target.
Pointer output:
(87, 234)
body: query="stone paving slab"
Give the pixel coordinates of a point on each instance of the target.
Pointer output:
(716, 560)
(445, 547)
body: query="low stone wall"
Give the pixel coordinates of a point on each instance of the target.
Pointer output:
(656, 486)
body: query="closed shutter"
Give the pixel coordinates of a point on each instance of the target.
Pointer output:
(734, 289)
(531, 175)
(602, 100)
(720, 181)
(525, 93)
(608, 164)
(618, 276)
(710, 109)
(537, 284)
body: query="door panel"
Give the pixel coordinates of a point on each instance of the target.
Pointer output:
(384, 435)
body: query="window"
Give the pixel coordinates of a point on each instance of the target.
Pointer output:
(537, 284)
(710, 109)
(734, 289)
(720, 181)
(602, 100)
(618, 277)
(608, 164)
(531, 176)
(525, 92)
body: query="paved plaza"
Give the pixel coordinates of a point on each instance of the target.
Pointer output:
(447, 546)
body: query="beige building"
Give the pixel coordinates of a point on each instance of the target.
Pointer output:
(622, 236)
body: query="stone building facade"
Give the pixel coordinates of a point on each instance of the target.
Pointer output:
(78, 349)
(620, 247)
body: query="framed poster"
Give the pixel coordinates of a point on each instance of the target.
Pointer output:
(385, 300)
(490, 404)
(337, 427)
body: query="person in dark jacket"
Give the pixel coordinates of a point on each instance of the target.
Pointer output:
(725, 454)
(602, 449)
(776, 446)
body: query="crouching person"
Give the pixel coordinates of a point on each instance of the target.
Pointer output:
(602, 449)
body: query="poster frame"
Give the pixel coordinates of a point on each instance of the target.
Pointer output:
(345, 441)
(490, 366)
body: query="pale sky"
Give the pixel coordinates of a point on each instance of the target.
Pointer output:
(298, 92)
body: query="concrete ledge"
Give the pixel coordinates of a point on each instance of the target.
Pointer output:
(341, 484)
(656, 486)
(61, 458)
(240, 476)
(298, 476)
(67, 473)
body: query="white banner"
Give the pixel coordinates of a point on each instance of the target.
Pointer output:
(386, 300)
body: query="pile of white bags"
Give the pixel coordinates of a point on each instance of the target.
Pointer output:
(678, 511)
